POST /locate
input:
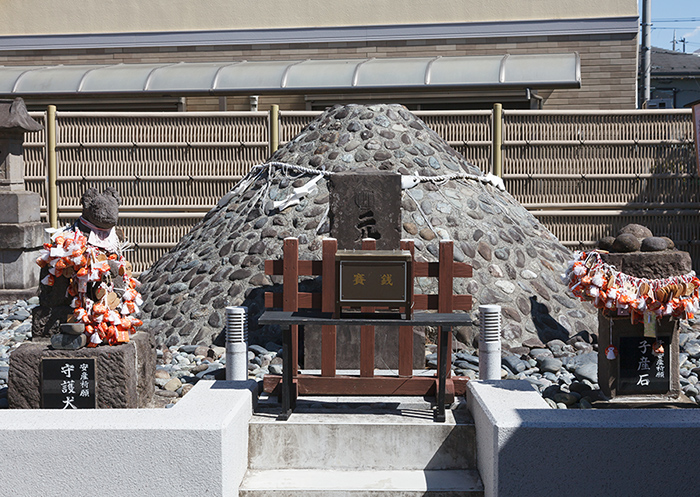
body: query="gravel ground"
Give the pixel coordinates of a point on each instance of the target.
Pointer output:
(565, 373)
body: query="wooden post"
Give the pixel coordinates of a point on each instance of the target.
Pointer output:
(497, 145)
(367, 332)
(274, 128)
(406, 332)
(445, 305)
(445, 289)
(290, 292)
(328, 298)
(52, 200)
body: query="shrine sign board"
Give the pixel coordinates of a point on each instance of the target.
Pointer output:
(642, 371)
(374, 278)
(68, 383)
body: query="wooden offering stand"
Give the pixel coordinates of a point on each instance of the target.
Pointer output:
(326, 308)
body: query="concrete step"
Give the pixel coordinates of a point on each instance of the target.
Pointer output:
(363, 436)
(372, 483)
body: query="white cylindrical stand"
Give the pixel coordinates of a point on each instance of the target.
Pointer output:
(236, 343)
(490, 342)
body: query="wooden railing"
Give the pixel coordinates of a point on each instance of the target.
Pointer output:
(405, 383)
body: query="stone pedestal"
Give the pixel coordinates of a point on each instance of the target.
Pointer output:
(21, 239)
(609, 370)
(651, 265)
(124, 373)
(20, 243)
(630, 340)
(21, 232)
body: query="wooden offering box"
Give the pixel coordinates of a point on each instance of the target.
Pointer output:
(368, 279)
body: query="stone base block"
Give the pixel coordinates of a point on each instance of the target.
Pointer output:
(609, 369)
(124, 373)
(386, 347)
(45, 451)
(15, 294)
(23, 236)
(18, 269)
(651, 265)
(19, 207)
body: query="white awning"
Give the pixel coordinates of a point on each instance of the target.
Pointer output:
(537, 71)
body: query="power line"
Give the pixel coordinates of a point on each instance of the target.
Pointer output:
(675, 27)
(684, 19)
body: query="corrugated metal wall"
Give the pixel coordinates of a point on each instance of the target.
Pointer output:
(584, 174)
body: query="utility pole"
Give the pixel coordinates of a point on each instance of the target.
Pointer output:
(646, 54)
(674, 40)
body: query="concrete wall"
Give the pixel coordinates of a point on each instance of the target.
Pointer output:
(199, 447)
(525, 448)
(37, 17)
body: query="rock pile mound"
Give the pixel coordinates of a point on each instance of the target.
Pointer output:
(634, 238)
(517, 262)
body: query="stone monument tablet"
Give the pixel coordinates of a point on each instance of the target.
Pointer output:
(643, 371)
(68, 383)
(366, 205)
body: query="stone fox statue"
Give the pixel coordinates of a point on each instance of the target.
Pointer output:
(100, 210)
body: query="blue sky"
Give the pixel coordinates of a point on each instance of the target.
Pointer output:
(681, 15)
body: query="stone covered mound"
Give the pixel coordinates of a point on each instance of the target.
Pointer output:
(517, 262)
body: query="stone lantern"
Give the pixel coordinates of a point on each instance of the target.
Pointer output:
(21, 231)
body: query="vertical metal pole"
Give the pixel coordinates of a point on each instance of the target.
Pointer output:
(496, 166)
(406, 332)
(646, 54)
(674, 40)
(52, 201)
(445, 306)
(274, 128)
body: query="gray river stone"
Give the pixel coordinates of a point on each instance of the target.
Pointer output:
(549, 364)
